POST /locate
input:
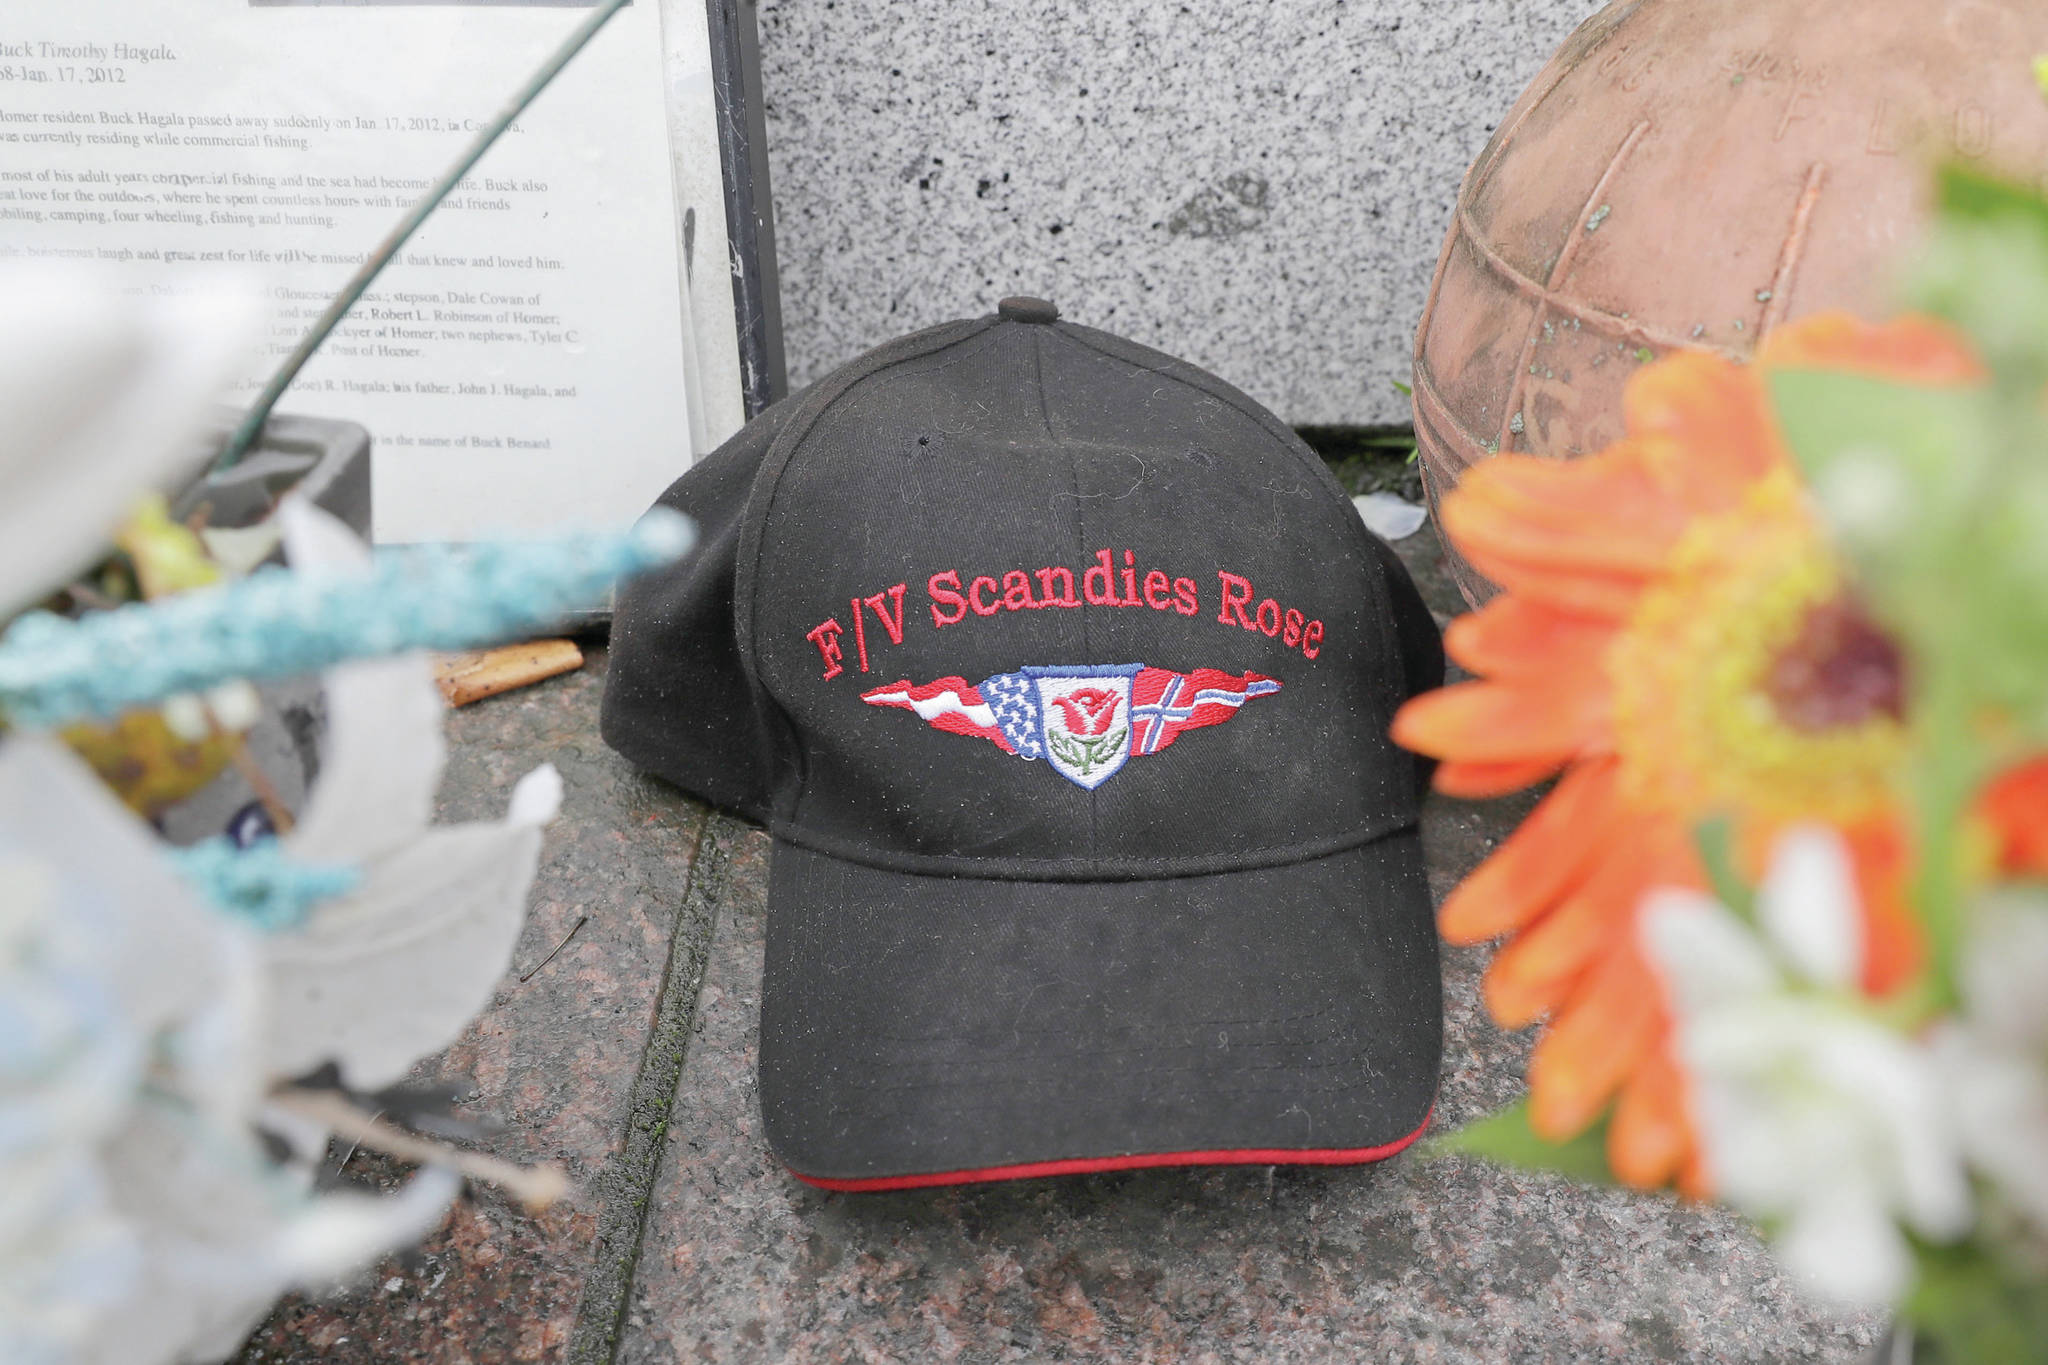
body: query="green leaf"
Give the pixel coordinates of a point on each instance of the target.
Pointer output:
(1961, 192)
(1900, 471)
(1715, 840)
(1105, 747)
(168, 556)
(1985, 268)
(1975, 1308)
(1889, 461)
(1827, 412)
(1406, 391)
(1507, 1139)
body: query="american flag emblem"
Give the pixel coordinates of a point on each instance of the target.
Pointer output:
(1085, 721)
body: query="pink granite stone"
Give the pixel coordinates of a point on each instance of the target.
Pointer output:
(1407, 1260)
(648, 1096)
(552, 1060)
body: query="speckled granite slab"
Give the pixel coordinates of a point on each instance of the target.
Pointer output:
(648, 1094)
(1260, 188)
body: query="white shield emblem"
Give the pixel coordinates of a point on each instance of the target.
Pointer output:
(1085, 714)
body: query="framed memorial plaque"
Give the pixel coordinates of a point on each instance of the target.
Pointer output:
(589, 309)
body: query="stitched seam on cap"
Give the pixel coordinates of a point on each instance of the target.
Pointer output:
(767, 482)
(1080, 505)
(1049, 1032)
(1125, 869)
(1346, 1069)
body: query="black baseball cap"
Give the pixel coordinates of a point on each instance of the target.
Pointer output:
(1060, 672)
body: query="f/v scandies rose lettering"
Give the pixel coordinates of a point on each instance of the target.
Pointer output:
(1112, 580)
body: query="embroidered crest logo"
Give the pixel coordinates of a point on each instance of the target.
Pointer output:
(1085, 721)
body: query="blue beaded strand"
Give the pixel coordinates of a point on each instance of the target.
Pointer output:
(261, 884)
(280, 622)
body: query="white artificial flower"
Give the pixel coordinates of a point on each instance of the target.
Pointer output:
(1994, 1055)
(394, 970)
(1813, 1116)
(1866, 496)
(373, 980)
(141, 1220)
(70, 1059)
(102, 394)
(1389, 515)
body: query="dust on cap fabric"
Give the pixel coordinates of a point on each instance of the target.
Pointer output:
(1060, 672)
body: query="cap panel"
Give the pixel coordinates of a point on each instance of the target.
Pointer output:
(932, 1024)
(1170, 367)
(1028, 503)
(1412, 633)
(1421, 640)
(1215, 474)
(1415, 634)
(819, 400)
(675, 699)
(916, 467)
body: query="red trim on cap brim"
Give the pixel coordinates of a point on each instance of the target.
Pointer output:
(1249, 1156)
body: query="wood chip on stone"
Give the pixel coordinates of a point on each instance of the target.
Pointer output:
(475, 674)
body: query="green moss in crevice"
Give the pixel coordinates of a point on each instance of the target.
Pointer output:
(1369, 459)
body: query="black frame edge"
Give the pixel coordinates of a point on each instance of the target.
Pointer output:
(749, 204)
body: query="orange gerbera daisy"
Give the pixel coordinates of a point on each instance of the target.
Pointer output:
(1675, 634)
(2015, 812)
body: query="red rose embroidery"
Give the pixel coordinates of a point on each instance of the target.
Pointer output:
(1089, 710)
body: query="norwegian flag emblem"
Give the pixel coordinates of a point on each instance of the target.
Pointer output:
(1084, 721)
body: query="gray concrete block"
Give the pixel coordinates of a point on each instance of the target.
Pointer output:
(1258, 186)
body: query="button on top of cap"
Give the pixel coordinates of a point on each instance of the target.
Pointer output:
(1024, 309)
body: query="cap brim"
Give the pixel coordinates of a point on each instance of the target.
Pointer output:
(922, 1030)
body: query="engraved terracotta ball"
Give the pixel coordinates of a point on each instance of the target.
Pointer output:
(1693, 173)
